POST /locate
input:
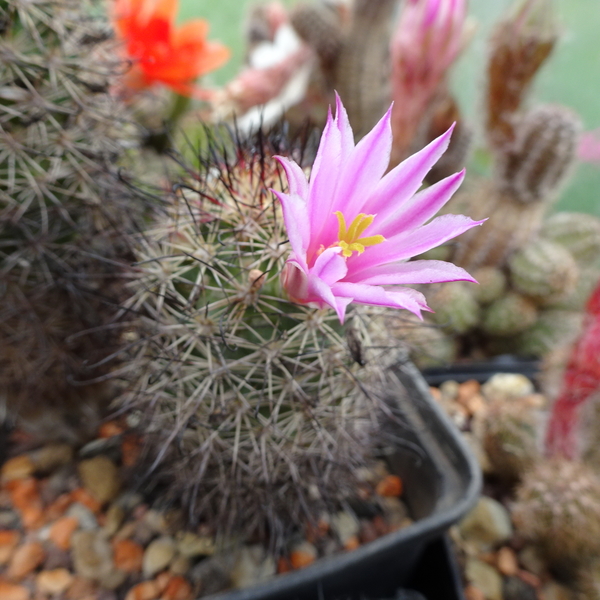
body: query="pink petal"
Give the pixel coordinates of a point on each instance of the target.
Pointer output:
(330, 266)
(323, 291)
(413, 272)
(404, 180)
(422, 206)
(324, 179)
(295, 175)
(343, 125)
(296, 223)
(370, 294)
(408, 244)
(364, 168)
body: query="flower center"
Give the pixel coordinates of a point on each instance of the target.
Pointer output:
(349, 239)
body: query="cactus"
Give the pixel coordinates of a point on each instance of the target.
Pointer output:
(579, 233)
(531, 168)
(510, 437)
(250, 400)
(544, 271)
(509, 315)
(454, 307)
(552, 329)
(64, 211)
(520, 45)
(492, 285)
(558, 508)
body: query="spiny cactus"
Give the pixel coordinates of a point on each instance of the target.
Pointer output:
(455, 308)
(492, 284)
(520, 45)
(509, 315)
(252, 400)
(532, 167)
(558, 508)
(510, 436)
(544, 271)
(63, 208)
(579, 233)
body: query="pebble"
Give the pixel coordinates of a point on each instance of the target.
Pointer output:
(485, 578)
(251, 566)
(26, 558)
(531, 560)
(9, 519)
(450, 389)
(115, 515)
(466, 391)
(85, 517)
(395, 512)
(62, 530)
(92, 555)
(100, 477)
(178, 588)
(507, 385)
(304, 554)
(9, 540)
(158, 555)
(81, 588)
(345, 526)
(18, 467)
(102, 446)
(180, 565)
(53, 582)
(506, 561)
(554, 591)
(473, 593)
(11, 591)
(128, 555)
(390, 486)
(191, 545)
(51, 457)
(146, 590)
(487, 524)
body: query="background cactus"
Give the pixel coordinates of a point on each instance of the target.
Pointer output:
(64, 210)
(558, 508)
(544, 271)
(509, 315)
(250, 400)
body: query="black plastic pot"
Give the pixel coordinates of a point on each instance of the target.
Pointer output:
(482, 370)
(442, 482)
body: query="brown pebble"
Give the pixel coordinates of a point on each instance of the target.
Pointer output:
(9, 540)
(26, 559)
(100, 477)
(17, 467)
(390, 486)
(467, 390)
(62, 530)
(146, 590)
(128, 555)
(368, 532)
(177, 589)
(473, 593)
(11, 591)
(506, 561)
(53, 582)
(435, 392)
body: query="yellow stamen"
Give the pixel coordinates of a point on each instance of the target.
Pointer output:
(349, 239)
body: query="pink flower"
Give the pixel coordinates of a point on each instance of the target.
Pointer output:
(352, 229)
(428, 38)
(589, 146)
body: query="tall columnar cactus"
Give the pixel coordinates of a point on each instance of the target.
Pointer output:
(520, 45)
(63, 208)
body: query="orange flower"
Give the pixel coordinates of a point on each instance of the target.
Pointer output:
(160, 51)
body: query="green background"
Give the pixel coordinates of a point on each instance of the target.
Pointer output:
(570, 77)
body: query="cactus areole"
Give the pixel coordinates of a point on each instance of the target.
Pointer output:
(352, 229)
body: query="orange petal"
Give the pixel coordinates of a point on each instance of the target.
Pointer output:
(190, 33)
